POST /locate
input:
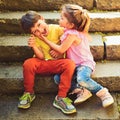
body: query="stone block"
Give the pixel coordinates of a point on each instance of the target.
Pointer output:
(108, 4)
(97, 47)
(112, 47)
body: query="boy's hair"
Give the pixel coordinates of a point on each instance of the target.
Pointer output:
(28, 20)
(75, 14)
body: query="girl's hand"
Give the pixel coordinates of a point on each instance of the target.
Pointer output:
(55, 54)
(31, 41)
(41, 37)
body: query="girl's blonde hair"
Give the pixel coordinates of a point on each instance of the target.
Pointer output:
(75, 14)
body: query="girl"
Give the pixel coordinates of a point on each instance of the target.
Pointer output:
(75, 43)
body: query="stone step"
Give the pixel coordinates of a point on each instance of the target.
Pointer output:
(42, 109)
(40, 5)
(100, 21)
(14, 48)
(11, 78)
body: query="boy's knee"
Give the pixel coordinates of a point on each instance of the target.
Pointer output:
(29, 63)
(70, 64)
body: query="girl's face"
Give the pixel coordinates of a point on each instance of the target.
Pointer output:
(63, 22)
(40, 27)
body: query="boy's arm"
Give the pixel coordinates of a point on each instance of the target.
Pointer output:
(37, 51)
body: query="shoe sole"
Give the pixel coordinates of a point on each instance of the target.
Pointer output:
(108, 104)
(28, 106)
(74, 111)
(80, 101)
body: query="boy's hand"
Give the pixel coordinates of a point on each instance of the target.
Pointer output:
(31, 41)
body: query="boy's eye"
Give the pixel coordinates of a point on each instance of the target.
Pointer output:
(34, 32)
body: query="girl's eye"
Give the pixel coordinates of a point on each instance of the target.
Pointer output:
(39, 25)
(61, 18)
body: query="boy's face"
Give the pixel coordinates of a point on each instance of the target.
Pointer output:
(40, 28)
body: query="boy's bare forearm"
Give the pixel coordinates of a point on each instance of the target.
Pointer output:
(38, 53)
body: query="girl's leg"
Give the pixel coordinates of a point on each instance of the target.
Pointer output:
(82, 93)
(85, 80)
(74, 83)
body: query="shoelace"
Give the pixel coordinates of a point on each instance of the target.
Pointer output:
(25, 96)
(67, 100)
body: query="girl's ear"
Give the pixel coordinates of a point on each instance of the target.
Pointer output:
(42, 18)
(71, 25)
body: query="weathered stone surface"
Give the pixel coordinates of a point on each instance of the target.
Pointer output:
(101, 22)
(97, 47)
(112, 47)
(11, 78)
(42, 109)
(14, 48)
(41, 5)
(108, 74)
(105, 22)
(108, 4)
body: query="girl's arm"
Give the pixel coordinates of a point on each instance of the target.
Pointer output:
(37, 51)
(63, 47)
(56, 54)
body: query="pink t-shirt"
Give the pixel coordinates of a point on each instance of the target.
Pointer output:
(81, 53)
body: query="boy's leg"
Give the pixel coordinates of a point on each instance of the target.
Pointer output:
(61, 101)
(29, 70)
(33, 66)
(65, 67)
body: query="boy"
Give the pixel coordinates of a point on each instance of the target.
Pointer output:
(43, 63)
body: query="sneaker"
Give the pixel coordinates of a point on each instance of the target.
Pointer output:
(25, 100)
(82, 95)
(105, 97)
(64, 104)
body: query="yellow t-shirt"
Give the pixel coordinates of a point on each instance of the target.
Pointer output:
(55, 31)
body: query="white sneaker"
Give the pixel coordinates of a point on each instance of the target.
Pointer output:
(82, 95)
(105, 97)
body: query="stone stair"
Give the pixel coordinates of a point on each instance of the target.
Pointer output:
(105, 47)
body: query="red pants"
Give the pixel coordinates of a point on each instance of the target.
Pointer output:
(33, 66)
